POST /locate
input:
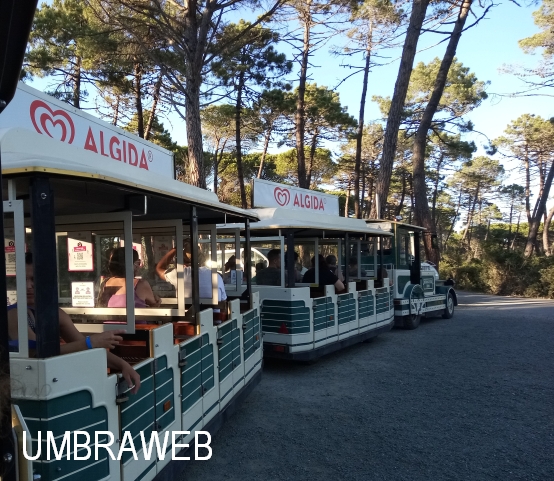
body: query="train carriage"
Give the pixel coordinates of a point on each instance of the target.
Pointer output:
(305, 320)
(418, 291)
(71, 205)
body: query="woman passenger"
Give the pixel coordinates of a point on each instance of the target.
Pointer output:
(113, 293)
(326, 277)
(74, 340)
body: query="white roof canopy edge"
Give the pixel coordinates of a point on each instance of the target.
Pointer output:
(26, 151)
(277, 218)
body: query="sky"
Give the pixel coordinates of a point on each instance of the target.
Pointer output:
(485, 49)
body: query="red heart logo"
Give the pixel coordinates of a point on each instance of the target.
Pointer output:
(49, 122)
(282, 196)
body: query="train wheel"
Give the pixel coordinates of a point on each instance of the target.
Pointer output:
(449, 309)
(411, 321)
(417, 301)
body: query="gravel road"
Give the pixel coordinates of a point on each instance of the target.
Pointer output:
(471, 398)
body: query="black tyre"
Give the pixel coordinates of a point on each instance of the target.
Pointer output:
(417, 300)
(411, 321)
(449, 309)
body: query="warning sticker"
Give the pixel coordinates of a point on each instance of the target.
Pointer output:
(80, 252)
(82, 294)
(9, 250)
(162, 245)
(12, 297)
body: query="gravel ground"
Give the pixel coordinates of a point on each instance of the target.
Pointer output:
(469, 398)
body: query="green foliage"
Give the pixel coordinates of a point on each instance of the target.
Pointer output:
(463, 92)
(323, 167)
(544, 19)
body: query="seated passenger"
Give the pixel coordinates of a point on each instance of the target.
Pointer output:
(332, 263)
(74, 340)
(326, 277)
(297, 274)
(230, 265)
(113, 293)
(271, 275)
(204, 275)
(385, 276)
(353, 268)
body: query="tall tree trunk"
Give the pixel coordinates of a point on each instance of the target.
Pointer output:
(77, 83)
(545, 236)
(458, 207)
(194, 131)
(419, 8)
(370, 188)
(401, 203)
(240, 172)
(156, 97)
(347, 197)
(313, 148)
(435, 192)
(216, 173)
(217, 163)
(264, 153)
(300, 119)
(422, 212)
(360, 132)
(517, 231)
(527, 184)
(363, 190)
(138, 99)
(536, 220)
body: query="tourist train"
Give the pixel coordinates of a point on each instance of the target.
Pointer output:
(198, 350)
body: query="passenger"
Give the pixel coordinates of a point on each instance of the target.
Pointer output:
(74, 340)
(299, 267)
(386, 280)
(230, 265)
(271, 275)
(113, 293)
(204, 275)
(297, 274)
(326, 277)
(333, 267)
(353, 268)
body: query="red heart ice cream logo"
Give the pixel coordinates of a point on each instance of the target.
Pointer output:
(282, 196)
(54, 123)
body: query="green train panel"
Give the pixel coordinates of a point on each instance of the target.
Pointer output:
(180, 391)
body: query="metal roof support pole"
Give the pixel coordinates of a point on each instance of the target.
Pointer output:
(194, 272)
(7, 453)
(15, 25)
(415, 268)
(248, 261)
(347, 259)
(381, 248)
(44, 268)
(291, 265)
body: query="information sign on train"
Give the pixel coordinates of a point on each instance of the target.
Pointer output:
(270, 194)
(33, 110)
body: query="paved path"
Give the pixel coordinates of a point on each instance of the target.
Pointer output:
(471, 398)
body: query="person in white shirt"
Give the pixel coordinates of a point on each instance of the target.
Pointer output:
(204, 277)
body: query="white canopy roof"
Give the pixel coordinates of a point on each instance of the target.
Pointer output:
(23, 151)
(278, 218)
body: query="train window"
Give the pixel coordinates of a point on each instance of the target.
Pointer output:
(368, 254)
(267, 263)
(404, 245)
